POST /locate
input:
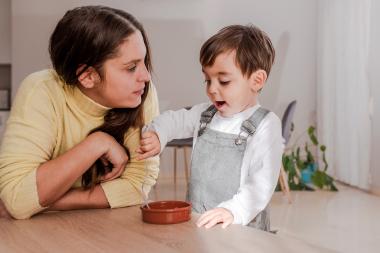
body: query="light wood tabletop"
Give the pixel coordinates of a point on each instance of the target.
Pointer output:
(122, 230)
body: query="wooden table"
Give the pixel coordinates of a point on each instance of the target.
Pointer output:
(122, 230)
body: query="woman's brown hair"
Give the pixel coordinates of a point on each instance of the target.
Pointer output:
(86, 37)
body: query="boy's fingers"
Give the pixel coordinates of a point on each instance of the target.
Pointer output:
(146, 155)
(213, 217)
(212, 222)
(204, 221)
(147, 135)
(146, 147)
(226, 224)
(206, 217)
(144, 134)
(146, 141)
(141, 156)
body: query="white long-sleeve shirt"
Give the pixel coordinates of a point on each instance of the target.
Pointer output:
(262, 157)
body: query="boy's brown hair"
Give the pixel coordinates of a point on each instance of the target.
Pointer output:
(254, 49)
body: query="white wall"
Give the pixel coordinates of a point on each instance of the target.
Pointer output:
(177, 29)
(5, 54)
(5, 31)
(374, 76)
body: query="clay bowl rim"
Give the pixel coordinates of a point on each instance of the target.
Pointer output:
(144, 208)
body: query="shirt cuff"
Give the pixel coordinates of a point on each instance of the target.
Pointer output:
(120, 193)
(230, 207)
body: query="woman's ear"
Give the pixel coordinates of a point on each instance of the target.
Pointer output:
(258, 79)
(89, 77)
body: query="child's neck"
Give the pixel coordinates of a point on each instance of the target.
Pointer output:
(248, 107)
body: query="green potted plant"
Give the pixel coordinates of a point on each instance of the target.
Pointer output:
(302, 167)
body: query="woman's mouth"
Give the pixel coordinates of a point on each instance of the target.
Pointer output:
(139, 92)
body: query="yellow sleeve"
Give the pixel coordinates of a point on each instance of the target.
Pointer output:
(126, 190)
(28, 141)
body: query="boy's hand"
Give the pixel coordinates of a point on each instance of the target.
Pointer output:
(150, 145)
(215, 216)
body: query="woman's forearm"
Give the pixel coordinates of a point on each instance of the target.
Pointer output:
(81, 199)
(3, 211)
(55, 177)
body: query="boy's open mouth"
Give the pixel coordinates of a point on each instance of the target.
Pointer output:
(219, 103)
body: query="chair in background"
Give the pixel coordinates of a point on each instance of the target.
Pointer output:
(180, 144)
(287, 124)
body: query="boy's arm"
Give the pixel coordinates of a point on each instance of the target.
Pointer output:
(177, 124)
(257, 188)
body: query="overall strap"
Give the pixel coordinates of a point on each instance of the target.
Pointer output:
(249, 126)
(206, 117)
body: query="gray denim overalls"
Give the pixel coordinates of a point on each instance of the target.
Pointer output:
(216, 165)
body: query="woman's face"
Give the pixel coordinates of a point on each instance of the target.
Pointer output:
(124, 76)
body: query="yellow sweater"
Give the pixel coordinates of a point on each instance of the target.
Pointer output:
(47, 119)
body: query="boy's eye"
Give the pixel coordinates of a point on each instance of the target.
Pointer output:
(207, 82)
(224, 82)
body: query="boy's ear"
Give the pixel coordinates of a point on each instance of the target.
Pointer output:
(88, 78)
(258, 79)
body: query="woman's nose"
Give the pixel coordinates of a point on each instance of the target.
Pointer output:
(144, 75)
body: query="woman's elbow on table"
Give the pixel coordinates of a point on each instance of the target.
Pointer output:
(19, 211)
(20, 206)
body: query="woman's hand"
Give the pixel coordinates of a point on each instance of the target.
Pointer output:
(3, 211)
(55, 177)
(149, 145)
(114, 154)
(215, 216)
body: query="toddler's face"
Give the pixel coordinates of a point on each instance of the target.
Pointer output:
(226, 86)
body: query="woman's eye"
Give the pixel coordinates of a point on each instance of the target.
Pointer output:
(132, 68)
(207, 82)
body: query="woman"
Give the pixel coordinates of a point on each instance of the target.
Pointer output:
(79, 124)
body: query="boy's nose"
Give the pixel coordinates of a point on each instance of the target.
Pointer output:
(212, 89)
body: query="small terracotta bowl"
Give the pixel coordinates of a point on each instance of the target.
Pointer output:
(166, 212)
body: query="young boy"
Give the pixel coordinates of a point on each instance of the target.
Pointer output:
(238, 145)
